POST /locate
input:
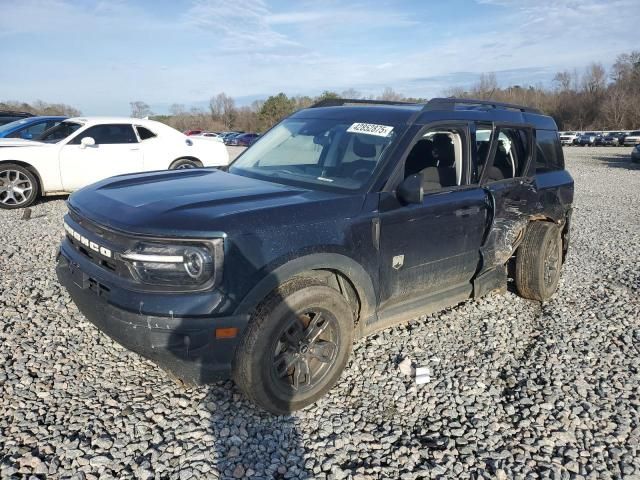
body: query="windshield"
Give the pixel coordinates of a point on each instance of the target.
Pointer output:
(317, 152)
(11, 125)
(59, 132)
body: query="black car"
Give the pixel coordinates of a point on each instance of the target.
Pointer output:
(344, 219)
(8, 116)
(588, 139)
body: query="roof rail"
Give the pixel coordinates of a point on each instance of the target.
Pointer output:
(338, 102)
(450, 104)
(15, 112)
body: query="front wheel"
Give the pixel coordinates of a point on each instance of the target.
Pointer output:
(18, 186)
(539, 261)
(295, 348)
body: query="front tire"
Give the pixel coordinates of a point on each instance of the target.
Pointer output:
(184, 163)
(18, 186)
(539, 261)
(296, 346)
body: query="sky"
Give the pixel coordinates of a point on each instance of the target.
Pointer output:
(99, 55)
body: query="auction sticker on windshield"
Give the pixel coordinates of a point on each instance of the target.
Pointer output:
(371, 129)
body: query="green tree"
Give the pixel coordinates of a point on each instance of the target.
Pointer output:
(274, 109)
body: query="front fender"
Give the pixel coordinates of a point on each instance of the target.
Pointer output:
(348, 267)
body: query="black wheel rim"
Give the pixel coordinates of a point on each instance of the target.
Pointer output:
(305, 351)
(551, 262)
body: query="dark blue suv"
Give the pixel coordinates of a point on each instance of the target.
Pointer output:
(343, 219)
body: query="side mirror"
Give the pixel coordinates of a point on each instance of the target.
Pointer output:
(27, 136)
(410, 190)
(87, 142)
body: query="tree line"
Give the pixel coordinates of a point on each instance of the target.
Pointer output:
(591, 99)
(40, 108)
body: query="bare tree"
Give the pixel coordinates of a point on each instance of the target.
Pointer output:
(140, 109)
(223, 108)
(351, 93)
(389, 94)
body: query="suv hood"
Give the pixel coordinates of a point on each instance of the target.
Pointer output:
(201, 203)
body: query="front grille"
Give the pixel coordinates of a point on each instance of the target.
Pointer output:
(97, 235)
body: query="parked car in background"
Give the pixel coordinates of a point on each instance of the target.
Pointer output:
(568, 138)
(632, 138)
(192, 132)
(29, 128)
(81, 151)
(587, 139)
(244, 139)
(608, 140)
(635, 154)
(8, 116)
(229, 138)
(619, 136)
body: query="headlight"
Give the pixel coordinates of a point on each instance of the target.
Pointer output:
(191, 264)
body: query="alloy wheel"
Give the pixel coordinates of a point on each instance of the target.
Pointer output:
(305, 351)
(15, 187)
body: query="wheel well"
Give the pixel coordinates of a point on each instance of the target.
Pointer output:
(29, 167)
(193, 159)
(340, 282)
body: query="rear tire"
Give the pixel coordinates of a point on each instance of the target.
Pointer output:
(184, 163)
(295, 348)
(18, 186)
(539, 261)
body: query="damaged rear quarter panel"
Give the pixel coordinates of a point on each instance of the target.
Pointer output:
(518, 201)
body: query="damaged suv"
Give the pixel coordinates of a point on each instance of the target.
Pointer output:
(343, 219)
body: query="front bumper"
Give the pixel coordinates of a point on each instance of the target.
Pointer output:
(186, 347)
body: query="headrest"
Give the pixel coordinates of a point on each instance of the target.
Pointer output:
(362, 149)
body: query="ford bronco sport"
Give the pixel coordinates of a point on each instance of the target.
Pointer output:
(343, 219)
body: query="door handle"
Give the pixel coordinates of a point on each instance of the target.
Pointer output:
(134, 148)
(465, 212)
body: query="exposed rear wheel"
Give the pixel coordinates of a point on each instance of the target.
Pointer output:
(18, 186)
(183, 163)
(539, 261)
(295, 347)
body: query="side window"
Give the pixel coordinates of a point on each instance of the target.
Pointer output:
(108, 135)
(30, 132)
(437, 157)
(511, 154)
(144, 133)
(549, 155)
(484, 135)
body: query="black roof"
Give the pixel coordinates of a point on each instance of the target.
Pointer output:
(433, 110)
(11, 113)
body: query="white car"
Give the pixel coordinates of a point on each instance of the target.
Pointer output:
(632, 139)
(81, 151)
(568, 138)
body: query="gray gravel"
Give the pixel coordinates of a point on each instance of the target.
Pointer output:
(517, 388)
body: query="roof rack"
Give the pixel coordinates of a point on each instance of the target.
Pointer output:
(338, 102)
(451, 103)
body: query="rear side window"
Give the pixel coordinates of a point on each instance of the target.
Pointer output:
(511, 155)
(145, 133)
(549, 157)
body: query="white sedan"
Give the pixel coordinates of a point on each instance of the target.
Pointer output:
(81, 151)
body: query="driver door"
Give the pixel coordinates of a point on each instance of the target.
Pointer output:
(116, 151)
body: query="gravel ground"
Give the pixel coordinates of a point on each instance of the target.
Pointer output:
(517, 388)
